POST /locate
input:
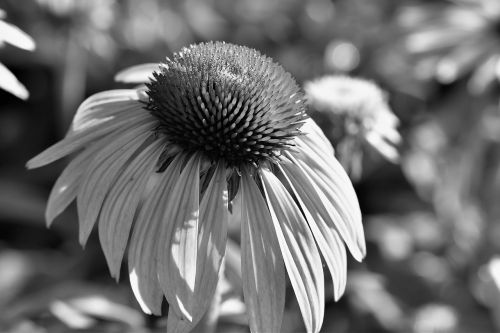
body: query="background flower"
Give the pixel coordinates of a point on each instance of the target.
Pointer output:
(356, 113)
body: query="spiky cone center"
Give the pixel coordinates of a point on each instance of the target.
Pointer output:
(227, 102)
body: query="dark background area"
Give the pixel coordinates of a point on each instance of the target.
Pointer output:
(432, 222)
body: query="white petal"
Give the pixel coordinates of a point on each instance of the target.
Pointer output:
(322, 225)
(137, 74)
(106, 106)
(68, 183)
(386, 149)
(332, 182)
(102, 173)
(302, 260)
(178, 246)
(142, 254)
(121, 204)
(315, 138)
(331, 177)
(9, 83)
(262, 263)
(212, 240)
(13, 35)
(82, 138)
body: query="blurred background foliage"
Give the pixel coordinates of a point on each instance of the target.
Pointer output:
(432, 221)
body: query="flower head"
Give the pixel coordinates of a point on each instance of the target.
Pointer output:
(356, 112)
(12, 35)
(216, 125)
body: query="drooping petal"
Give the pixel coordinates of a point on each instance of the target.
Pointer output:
(142, 253)
(262, 264)
(317, 210)
(301, 256)
(102, 173)
(178, 245)
(14, 36)
(84, 137)
(67, 185)
(211, 247)
(332, 182)
(10, 83)
(121, 204)
(137, 74)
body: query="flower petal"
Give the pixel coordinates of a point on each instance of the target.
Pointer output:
(66, 187)
(211, 247)
(317, 210)
(120, 206)
(14, 36)
(102, 173)
(10, 83)
(334, 182)
(382, 146)
(178, 245)
(142, 254)
(105, 106)
(137, 74)
(262, 263)
(82, 138)
(315, 139)
(299, 251)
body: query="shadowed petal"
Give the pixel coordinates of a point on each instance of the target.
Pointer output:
(262, 264)
(178, 245)
(137, 74)
(299, 251)
(211, 247)
(121, 203)
(102, 173)
(67, 185)
(318, 214)
(142, 254)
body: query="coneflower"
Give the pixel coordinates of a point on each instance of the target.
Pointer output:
(214, 125)
(357, 112)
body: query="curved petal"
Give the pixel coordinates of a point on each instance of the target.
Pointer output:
(102, 173)
(315, 138)
(262, 263)
(137, 74)
(331, 178)
(317, 211)
(178, 245)
(119, 208)
(302, 260)
(106, 106)
(84, 137)
(142, 253)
